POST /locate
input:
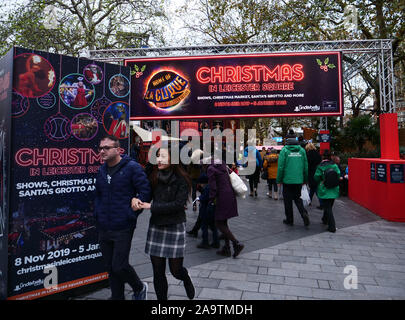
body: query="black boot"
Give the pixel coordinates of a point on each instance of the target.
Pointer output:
(225, 251)
(237, 248)
(188, 285)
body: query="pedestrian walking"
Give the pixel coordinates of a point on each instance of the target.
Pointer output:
(222, 197)
(207, 214)
(327, 176)
(254, 177)
(314, 159)
(292, 172)
(171, 187)
(270, 163)
(120, 187)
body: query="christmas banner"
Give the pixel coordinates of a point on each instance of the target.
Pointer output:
(249, 85)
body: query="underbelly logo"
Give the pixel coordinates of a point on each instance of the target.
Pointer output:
(166, 89)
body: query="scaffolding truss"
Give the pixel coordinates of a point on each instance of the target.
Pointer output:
(357, 56)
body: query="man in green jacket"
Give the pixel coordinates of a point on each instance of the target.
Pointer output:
(327, 194)
(292, 172)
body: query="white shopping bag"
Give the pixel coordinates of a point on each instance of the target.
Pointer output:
(305, 195)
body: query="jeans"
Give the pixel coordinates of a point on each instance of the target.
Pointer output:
(272, 185)
(115, 247)
(208, 221)
(254, 179)
(292, 192)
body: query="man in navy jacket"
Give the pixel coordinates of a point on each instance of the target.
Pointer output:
(121, 186)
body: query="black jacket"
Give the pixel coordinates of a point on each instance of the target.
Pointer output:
(113, 199)
(314, 159)
(169, 200)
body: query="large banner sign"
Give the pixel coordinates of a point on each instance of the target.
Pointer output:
(61, 108)
(6, 75)
(250, 85)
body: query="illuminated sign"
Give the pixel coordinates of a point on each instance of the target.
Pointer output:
(250, 85)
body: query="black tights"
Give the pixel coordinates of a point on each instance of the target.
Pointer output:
(222, 225)
(159, 274)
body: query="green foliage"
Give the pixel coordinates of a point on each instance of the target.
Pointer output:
(359, 130)
(81, 24)
(345, 156)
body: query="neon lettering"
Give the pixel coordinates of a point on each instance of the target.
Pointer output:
(248, 73)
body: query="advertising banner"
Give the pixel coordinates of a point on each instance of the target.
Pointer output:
(249, 85)
(61, 108)
(6, 75)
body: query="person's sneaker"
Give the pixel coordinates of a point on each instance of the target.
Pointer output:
(225, 251)
(215, 245)
(141, 295)
(288, 223)
(203, 245)
(237, 248)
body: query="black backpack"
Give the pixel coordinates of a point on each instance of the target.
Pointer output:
(330, 178)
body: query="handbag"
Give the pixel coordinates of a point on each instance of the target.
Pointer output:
(265, 175)
(305, 195)
(238, 185)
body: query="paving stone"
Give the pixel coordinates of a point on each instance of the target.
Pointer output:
(323, 284)
(220, 294)
(239, 285)
(329, 255)
(300, 266)
(321, 261)
(291, 290)
(311, 283)
(386, 291)
(206, 283)
(228, 275)
(242, 269)
(321, 275)
(312, 254)
(264, 287)
(282, 272)
(265, 278)
(390, 267)
(331, 294)
(261, 296)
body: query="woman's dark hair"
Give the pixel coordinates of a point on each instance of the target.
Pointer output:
(177, 169)
(326, 155)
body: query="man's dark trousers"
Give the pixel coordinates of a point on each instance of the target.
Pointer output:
(115, 247)
(292, 192)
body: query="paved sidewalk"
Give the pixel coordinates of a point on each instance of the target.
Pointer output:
(281, 262)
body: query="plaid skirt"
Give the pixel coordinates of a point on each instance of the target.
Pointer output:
(168, 241)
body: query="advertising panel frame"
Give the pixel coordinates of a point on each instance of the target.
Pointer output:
(61, 107)
(6, 80)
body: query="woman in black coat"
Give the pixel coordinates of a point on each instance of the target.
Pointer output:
(314, 158)
(171, 187)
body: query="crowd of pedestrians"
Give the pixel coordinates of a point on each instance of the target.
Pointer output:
(124, 190)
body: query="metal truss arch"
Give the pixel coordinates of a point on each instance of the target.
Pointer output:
(357, 55)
